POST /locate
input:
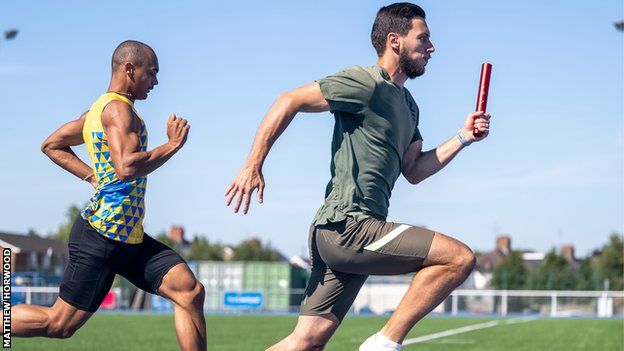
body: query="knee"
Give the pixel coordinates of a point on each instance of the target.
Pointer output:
(459, 258)
(192, 296)
(464, 259)
(198, 294)
(60, 330)
(306, 343)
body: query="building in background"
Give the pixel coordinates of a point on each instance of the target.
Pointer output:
(34, 254)
(487, 262)
(176, 234)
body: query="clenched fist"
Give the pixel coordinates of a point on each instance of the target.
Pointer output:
(177, 130)
(476, 126)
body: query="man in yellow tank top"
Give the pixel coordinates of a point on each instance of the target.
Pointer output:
(108, 238)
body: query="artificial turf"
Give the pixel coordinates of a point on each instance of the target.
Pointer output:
(108, 332)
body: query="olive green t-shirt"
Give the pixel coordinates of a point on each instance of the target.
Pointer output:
(376, 120)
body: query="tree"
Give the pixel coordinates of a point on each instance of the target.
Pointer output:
(511, 273)
(165, 239)
(610, 263)
(587, 277)
(554, 273)
(62, 234)
(201, 249)
(253, 250)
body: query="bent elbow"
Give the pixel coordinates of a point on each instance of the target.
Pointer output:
(413, 180)
(411, 177)
(287, 100)
(46, 147)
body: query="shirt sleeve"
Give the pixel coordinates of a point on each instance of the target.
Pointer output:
(415, 111)
(416, 135)
(348, 91)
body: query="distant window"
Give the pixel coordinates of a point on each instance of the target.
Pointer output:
(32, 261)
(47, 259)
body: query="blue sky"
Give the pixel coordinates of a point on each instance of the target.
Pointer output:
(551, 172)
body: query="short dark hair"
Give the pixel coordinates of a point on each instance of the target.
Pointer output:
(131, 51)
(395, 18)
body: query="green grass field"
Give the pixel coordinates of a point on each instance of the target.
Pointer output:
(107, 332)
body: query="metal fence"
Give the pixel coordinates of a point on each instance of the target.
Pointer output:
(541, 302)
(549, 303)
(379, 300)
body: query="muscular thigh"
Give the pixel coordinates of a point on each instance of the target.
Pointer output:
(373, 247)
(445, 249)
(69, 317)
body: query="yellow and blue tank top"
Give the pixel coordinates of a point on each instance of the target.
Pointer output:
(117, 208)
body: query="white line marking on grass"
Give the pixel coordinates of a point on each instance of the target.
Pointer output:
(520, 320)
(455, 342)
(450, 332)
(465, 329)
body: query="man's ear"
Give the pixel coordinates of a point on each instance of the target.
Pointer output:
(129, 69)
(393, 42)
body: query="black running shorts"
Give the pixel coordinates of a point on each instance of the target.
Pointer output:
(94, 260)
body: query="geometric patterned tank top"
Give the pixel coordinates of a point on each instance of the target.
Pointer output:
(117, 208)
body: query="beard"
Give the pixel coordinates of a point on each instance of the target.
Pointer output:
(410, 67)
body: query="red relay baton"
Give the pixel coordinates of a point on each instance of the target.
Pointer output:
(484, 87)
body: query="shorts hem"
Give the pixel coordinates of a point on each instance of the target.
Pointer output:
(318, 314)
(78, 306)
(158, 282)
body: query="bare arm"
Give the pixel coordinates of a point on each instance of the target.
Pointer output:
(304, 99)
(58, 148)
(123, 141)
(419, 165)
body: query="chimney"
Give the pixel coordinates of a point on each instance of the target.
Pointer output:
(567, 251)
(176, 233)
(503, 244)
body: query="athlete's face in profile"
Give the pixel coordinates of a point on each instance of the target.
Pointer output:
(416, 49)
(145, 78)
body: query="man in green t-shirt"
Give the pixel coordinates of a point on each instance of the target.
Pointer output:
(375, 140)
